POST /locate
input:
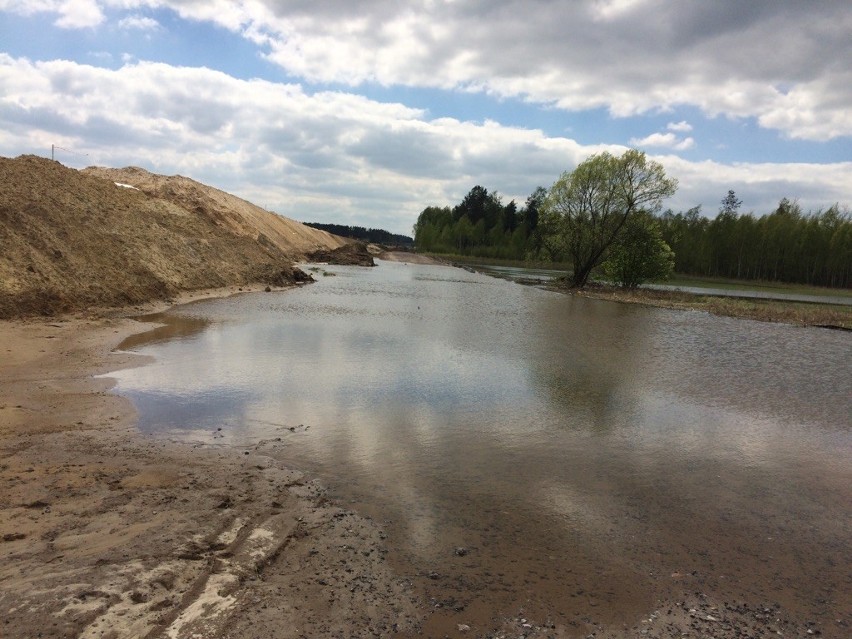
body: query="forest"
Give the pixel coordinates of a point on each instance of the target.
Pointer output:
(482, 226)
(377, 236)
(785, 245)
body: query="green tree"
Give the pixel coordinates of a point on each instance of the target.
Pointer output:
(529, 221)
(731, 203)
(639, 253)
(590, 205)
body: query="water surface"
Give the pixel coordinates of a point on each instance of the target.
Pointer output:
(593, 457)
(544, 276)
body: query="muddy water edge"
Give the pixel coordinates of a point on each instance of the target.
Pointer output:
(541, 463)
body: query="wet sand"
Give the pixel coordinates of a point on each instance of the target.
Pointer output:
(106, 533)
(408, 258)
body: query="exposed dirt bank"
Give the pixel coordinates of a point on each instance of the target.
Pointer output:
(75, 240)
(353, 254)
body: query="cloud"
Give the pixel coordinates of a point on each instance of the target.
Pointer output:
(72, 14)
(331, 155)
(142, 23)
(728, 57)
(665, 140)
(760, 185)
(628, 56)
(680, 127)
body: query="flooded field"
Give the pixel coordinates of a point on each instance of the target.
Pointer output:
(570, 460)
(756, 290)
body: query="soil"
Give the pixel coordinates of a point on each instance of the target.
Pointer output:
(74, 240)
(352, 254)
(108, 534)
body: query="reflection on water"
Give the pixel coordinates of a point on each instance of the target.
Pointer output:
(572, 444)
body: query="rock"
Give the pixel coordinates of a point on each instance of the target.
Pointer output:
(460, 551)
(463, 627)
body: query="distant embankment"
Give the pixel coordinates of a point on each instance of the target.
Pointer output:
(71, 240)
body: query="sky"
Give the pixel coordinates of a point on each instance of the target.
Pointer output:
(364, 112)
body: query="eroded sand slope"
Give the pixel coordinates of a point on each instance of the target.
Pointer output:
(74, 240)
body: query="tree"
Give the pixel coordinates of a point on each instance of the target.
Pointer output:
(589, 206)
(731, 203)
(430, 226)
(639, 253)
(530, 216)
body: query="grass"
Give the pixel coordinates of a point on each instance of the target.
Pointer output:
(799, 313)
(755, 285)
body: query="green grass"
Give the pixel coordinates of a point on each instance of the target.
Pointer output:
(754, 285)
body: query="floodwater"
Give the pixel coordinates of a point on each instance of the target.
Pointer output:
(544, 276)
(592, 458)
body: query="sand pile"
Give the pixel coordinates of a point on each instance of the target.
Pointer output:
(72, 240)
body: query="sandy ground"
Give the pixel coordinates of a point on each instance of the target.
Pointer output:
(107, 534)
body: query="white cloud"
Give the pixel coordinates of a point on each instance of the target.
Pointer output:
(613, 9)
(665, 140)
(328, 156)
(629, 56)
(321, 156)
(79, 14)
(72, 14)
(776, 62)
(760, 185)
(142, 23)
(680, 127)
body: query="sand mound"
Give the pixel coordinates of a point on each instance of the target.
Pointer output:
(228, 211)
(74, 239)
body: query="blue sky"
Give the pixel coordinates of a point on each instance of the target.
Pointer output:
(366, 112)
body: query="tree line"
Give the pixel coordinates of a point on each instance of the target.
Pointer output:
(604, 218)
(482, 226)
(785, 245)
(376, 236)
